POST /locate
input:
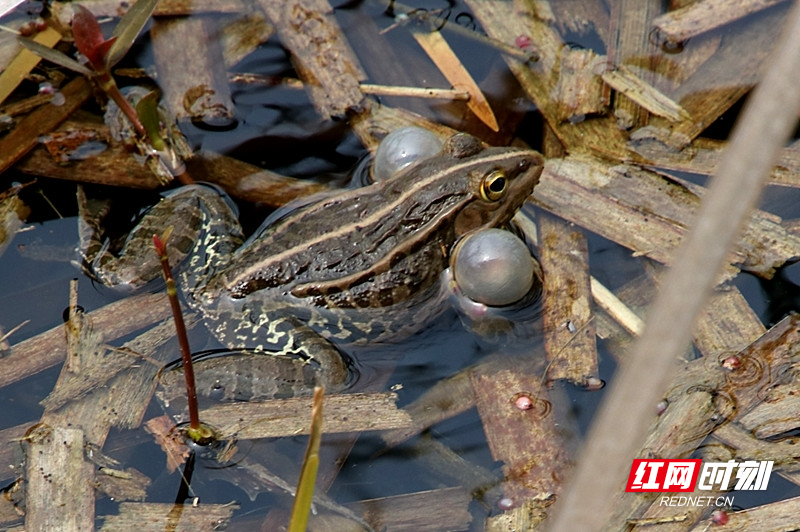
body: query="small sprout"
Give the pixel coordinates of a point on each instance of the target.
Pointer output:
(89, 39)
(101, 53)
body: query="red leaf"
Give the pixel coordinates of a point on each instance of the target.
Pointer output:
(89, 37)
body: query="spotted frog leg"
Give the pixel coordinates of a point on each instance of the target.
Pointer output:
(206, 235)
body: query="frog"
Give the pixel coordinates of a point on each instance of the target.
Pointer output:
(353, 267)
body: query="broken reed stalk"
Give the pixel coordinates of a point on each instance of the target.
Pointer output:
(628, 410)
(308, 473)
(197, 432)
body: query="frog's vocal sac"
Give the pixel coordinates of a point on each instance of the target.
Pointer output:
(357, 266)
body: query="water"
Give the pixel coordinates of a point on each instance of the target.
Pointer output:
(278, 129)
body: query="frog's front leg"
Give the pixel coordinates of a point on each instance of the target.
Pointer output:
(188, 210)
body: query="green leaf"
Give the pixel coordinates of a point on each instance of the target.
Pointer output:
(55, 56)
(147, 109)
(128, 29)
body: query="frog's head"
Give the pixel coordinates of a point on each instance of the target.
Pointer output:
(498, 180)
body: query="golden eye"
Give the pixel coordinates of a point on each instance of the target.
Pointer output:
(493, 186)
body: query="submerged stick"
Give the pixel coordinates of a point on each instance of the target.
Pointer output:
(761, 131)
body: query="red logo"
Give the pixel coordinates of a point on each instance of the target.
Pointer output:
(663, 475)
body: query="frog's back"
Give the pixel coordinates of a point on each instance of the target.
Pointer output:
(374, 246)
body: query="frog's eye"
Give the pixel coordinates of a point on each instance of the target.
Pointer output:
(493, 186)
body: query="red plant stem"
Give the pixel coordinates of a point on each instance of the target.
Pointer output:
(109, 86)
(183, 339)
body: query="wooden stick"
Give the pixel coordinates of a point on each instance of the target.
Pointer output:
(290, 417)
(49, 348)
(700, 17)
(321, 56)
(446, 60)
(628, 408)
(415, 92)
(625, 81)
(198, 89)
(567, 318)
(615, 308)
(60, 483)
(25, 136)
(25, 61)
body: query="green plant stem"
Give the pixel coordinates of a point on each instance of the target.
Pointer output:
(308, 473)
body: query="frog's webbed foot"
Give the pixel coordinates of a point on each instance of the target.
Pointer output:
(96, 256)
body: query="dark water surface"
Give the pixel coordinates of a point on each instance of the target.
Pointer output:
(278, 129)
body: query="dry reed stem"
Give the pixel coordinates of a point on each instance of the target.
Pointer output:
(629, 407)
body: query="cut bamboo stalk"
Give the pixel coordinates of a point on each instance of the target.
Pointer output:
(446, 60)
(615, 308)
